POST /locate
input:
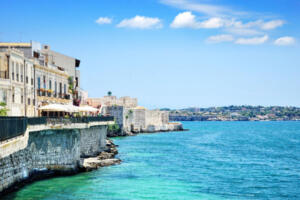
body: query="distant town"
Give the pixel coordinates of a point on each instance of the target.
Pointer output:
(236, 113)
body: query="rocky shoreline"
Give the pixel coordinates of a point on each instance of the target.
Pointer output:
(123, 133)
(105, 158)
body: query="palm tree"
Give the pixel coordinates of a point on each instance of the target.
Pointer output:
(109, 93)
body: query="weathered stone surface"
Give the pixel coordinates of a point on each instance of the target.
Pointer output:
(139, 120)
(94, 163)
(51, 150)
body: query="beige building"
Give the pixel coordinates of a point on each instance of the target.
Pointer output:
(133, 118)
(32, 76)
(127, 102)
(17, 83)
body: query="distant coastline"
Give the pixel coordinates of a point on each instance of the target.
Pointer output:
(236, 113)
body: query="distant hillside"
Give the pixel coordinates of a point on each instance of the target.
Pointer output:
(236, 113)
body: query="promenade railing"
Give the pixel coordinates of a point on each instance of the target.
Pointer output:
(11, 127)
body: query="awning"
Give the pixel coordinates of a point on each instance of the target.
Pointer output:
(72, 108)
(54, 108)
(87, 109)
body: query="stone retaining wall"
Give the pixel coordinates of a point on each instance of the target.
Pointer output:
(58, 150)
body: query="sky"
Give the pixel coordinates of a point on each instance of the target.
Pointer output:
(171, 53)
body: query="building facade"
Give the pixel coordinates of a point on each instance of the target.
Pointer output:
(32, 76)
(126, 102)
(16, 83)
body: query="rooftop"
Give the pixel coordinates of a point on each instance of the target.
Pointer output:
(14, 44)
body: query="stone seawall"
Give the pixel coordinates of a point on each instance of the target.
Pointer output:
(53, 150)
(139, 120)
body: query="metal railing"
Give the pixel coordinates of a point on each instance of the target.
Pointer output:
(37, 120)
(75, 120)
(11, 127)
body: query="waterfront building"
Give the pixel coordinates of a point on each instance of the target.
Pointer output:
(126, 101)
(33, 76)
(17, 83)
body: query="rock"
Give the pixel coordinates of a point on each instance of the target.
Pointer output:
(105, 158)
(95, 163)
(105, 155)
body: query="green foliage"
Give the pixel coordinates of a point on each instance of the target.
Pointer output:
(3, 111)
(71, 85)
(113, 128)
(109, 93)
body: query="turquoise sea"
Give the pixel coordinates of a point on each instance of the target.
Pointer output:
(213, 160)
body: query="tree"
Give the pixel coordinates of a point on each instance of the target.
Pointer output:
(3, 110)
(109, 93)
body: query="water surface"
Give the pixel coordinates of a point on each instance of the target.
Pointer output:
(213, 160)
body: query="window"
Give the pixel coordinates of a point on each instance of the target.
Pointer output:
(33, 102)
(44, 81)
(65, 89)
(22, 71)
(76, 81)
(13, 70)
(39, 86)
(31, 75)
(55, 89)
(39, 82)
(50, 85)
(26, 79)
(28, 101)
(60, 90)
(22, 99)
(13, 95)
(17, 71)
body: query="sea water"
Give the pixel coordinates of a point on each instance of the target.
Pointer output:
(213, 160)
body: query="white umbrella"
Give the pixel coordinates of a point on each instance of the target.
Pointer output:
(87, 109)
(72, 108)
(54, 107)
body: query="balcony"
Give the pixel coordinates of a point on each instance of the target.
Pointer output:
(49, 95)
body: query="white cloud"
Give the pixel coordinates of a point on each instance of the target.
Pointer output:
(104, 20)
(220, 38)
(252, 41)
(253, 27)
(140, 22)
(188, 20)
(284, 41)
(233, 26)
(243, 31)
(272, 24)
(184, 20)
(214, 22)
(208, 9)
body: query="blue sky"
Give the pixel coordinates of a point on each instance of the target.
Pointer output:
(171, 53)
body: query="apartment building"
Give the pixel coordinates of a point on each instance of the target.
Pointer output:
(32, 76)
(17, 83)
